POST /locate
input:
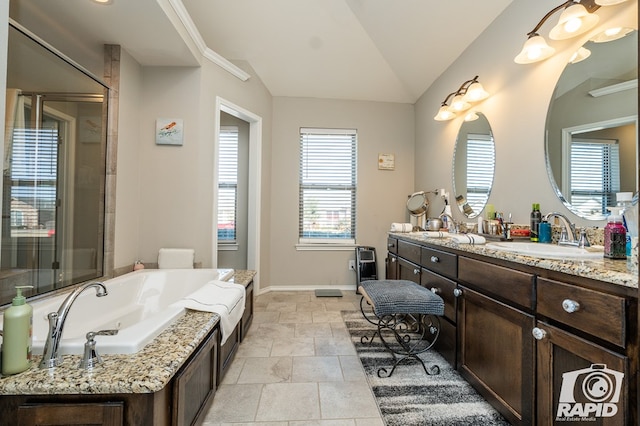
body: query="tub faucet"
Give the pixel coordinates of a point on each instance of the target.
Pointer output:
(568, 235)
(50, 357)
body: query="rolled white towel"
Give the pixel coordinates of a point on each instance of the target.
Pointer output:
(437, 234)
(401, 227)
(472, 239)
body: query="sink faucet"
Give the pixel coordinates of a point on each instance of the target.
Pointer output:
(50, 357)
(451, 224)
(568, 236)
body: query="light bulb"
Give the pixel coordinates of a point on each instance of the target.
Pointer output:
(444, 114)
(535, 49)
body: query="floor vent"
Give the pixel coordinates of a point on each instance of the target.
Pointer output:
(328, 293)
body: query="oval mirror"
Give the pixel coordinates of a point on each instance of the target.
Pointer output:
(474, 160)
(591, 129)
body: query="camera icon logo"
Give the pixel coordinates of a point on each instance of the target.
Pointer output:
(590, 392)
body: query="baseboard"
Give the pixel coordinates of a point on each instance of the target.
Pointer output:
(346, 287)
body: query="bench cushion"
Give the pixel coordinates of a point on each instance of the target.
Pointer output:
(389, 297)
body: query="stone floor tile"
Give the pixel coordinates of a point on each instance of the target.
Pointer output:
(334, 346)
(289, 401)
(295, 346)
(313, 330)
(316, 369)
(266, 370)
(295, 317)
(339, 400)
(227, 400)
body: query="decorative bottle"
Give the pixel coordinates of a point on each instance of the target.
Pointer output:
(17, 335)
(615, 236)
(536, 218)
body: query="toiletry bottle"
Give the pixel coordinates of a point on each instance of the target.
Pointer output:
(536, 218)
(615, 236)
(17, 333)
(544, 232)
(624, 200)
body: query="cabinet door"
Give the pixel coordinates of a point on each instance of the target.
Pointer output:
(391, 264)
(247, 316)
(195, 383)
(103, 413)
(497, 354)
(575, 375)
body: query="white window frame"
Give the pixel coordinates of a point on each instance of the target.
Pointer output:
(319, 243)
(228, 244)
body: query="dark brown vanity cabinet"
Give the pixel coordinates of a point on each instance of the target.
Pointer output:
(530, 339)
(582, 347)
(496, 349)
(438, 273)
(408, 261)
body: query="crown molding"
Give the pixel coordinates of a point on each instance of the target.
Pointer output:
(205, 51)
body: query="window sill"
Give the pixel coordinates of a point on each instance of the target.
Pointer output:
(228, 247)
(325, 246)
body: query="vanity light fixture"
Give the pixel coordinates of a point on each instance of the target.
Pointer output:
(103, 2)
(580, 55)
(576, 18)
(611, 34)
(461, 100)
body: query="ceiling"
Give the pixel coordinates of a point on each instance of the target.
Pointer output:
(378, 50)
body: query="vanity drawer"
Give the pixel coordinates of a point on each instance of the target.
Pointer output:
(507, 284)
(409, 251)
(444, 288)
(599, 314)
(440, 262)
(392, 245)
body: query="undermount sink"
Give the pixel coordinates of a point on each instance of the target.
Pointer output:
(548, 251)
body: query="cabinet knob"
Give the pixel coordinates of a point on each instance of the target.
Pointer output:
(538, 333)
(435, 290)
(393, 259)
(457, 292)
(390, 245)
(435, 259)
(416, 271)
(570, 306)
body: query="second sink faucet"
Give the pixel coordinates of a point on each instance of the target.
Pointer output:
(50, 357)
(568, 235)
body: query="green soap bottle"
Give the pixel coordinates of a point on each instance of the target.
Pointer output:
(17, 334)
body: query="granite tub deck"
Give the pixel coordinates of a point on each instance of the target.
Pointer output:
(612, 271)
(146, 371)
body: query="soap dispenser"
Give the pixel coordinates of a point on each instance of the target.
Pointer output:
(615, 236)
(17, 334)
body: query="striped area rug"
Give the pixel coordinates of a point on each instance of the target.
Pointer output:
(410, 397)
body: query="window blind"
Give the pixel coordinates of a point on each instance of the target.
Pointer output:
(480, 166)
(594, 175)
(227, 184)
(327, 198)
(34, 169)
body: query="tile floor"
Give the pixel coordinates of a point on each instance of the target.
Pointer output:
(296, 367)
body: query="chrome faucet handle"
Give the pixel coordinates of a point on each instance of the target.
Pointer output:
(564, 236)
(91, 357)
(583, 241)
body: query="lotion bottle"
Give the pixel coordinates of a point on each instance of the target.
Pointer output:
(17, 335)
(615, 236)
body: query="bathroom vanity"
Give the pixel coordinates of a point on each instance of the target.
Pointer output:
(171, 381)
(514, 325)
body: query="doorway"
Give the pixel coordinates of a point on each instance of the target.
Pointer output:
(253, 177)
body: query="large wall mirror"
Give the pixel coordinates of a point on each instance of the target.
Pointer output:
(474, 160)
(54, 170)
(591, 131)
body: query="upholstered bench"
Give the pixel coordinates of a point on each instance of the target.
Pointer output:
(406, 316)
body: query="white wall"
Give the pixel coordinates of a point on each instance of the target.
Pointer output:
(381, 195)
(176, 182)
(127, 231)
(517, 108)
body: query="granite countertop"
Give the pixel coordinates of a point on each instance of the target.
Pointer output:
(619, 272)
(146, 371)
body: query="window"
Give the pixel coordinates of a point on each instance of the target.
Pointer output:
(327, 186)
(227, 184)
(481, 162)
(594, 175)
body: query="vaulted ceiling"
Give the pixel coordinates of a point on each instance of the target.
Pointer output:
(380, 50)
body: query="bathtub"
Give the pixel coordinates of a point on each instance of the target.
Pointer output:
(138, 306)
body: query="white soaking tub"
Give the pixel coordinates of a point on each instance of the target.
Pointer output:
(137, 305)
